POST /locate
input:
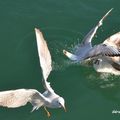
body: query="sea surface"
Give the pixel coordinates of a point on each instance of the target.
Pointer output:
(89, 95)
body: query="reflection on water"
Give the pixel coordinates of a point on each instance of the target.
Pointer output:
(106, 84)
(104, 80)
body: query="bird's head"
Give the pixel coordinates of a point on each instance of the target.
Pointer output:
(70, 55)
(60, 103)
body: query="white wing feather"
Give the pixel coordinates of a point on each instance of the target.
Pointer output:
(20, 97)
(45, 59)
(44, 54)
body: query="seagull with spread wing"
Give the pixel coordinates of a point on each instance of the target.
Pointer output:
(86, 51)
(20, 97)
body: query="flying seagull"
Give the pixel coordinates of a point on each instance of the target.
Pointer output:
(109, 64)
(86, 51)
(20, 97)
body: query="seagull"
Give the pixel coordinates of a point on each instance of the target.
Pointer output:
(85, 50)
(106, 63)
(20, 97)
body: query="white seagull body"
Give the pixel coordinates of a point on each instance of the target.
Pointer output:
(109, 64)
(20, 97)
(86, 51)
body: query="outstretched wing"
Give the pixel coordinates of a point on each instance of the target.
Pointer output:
(20, 97)
(88, 38)
(44, 57)
(44, 54)
(103, 50)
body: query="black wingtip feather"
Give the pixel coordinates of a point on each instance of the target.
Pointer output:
(113, 55)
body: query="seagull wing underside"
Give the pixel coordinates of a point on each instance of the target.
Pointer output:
(20, 97)
(44, 57)
(102, 50)
(44, 54)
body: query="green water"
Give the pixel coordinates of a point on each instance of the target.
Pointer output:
(88, 95)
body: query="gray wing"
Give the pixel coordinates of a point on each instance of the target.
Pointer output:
(45, 58)
(20, 97)
(88, 38)
(86, 43)
(103, 50)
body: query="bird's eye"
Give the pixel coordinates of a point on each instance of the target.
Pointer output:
(59, 103)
